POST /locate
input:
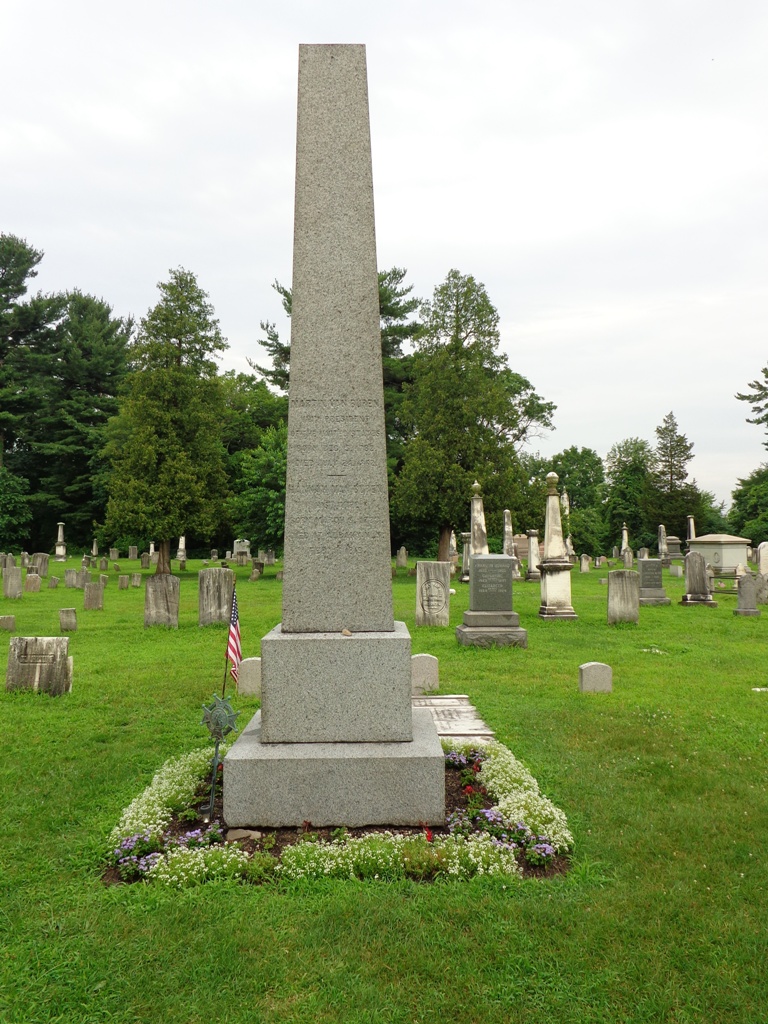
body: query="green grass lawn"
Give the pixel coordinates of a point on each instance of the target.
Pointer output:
(662, 918)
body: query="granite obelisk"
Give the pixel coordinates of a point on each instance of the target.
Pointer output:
(336, 741)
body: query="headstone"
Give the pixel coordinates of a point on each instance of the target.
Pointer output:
(93, 598)
(643, 553)
(257, 566)
(673, 547)
(570, 550)
(85, 562)
(696, 584)
(95, 548)
(151, 548)
(67, 620)
(595, 677)
(12, 587)
(53, 582)
(244, 545)
(651, 585)
(337, 741)
(663, 548)
(215, 595)
(154, 558)
(401, 558)
(466, 539)
(181, 551)
(747, 597)
(32, 583)
(61, 548)
(40, 561)
(269, 557)
(10, 562)
(615, 552)
(82, 577)
(491, 620)
(676, 570)
(114, 554)
(8, 622)
(39, 663)
(103, 580)
(762, 557)
(585, 563)
(433, 583)
(279, 576)
(241, 558)
(24, 560)
(161, 601)
(214, 554)
(627, 558)
(103, 564)
(123, 582)
(761, 583)
(135, 579)
(182, 565)
(623, 596)
(255, 574)
(508, 537)
(425, 674)
(249, 678)
(116, 567)
(533, 574)
(145, 560)
(555, 566)
(133, 552)
(453, 551)
(70, 577)
(479, 541)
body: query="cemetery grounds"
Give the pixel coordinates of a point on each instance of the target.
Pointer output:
(662, 916)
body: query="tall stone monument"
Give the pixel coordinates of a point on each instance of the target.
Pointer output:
(533, 573)
(555, 566)
(336, 740)
(61, 547)
(479, 541)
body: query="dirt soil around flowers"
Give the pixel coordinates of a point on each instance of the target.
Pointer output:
(275, 840)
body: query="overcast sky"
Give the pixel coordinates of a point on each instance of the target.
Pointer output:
(600, 166)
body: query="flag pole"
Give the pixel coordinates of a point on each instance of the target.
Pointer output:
(224, 683)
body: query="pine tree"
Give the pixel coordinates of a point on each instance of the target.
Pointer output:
(673, 453)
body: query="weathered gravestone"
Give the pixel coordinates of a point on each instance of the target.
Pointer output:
(479, 538)
(39, 663)
(145, 560)
(103, 579)
(32, 583)
(466, 539)
(215, 595)
(103, 564)
(24, 560)
(433, 583)
(12, 588)
(627, 558)
(114, 554)
(70, 578)
(595, 677)
(10, 562)
(336, 741)
(269, 557)
(133, 551)
(53, 582)
(241, 558)
(425, 674)
(676, 570)
(401, 558)
(40, 562)
(643, 553)
(61, 547)
(82, 577)
(123, 582)
(623, 596)
(762, 557)
(161, 601)
(93, 597)
(696, 582)
(651, 587)
(8, 622)
(135, 579)
(747, 597)
(490, 620)
(67, 620)
(214, 554)
(585, 563)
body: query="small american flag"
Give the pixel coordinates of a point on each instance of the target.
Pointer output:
(234, 651)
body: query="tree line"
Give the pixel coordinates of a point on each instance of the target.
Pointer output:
(128, 431)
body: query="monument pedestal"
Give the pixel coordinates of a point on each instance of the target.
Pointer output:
(488, 629)
(653, 595)
(556, 591)
(353, 784)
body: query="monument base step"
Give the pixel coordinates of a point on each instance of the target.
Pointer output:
(354, 784)
(491, 636)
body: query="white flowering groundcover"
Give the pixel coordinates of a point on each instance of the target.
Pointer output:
(522, 825)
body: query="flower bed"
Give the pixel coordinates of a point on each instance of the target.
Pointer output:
(500, 825)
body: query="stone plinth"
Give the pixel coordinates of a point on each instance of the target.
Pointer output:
(353, 784)
(651, 589)
(433, 584)
(327, 687)
(161, 601)
(623, 596)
